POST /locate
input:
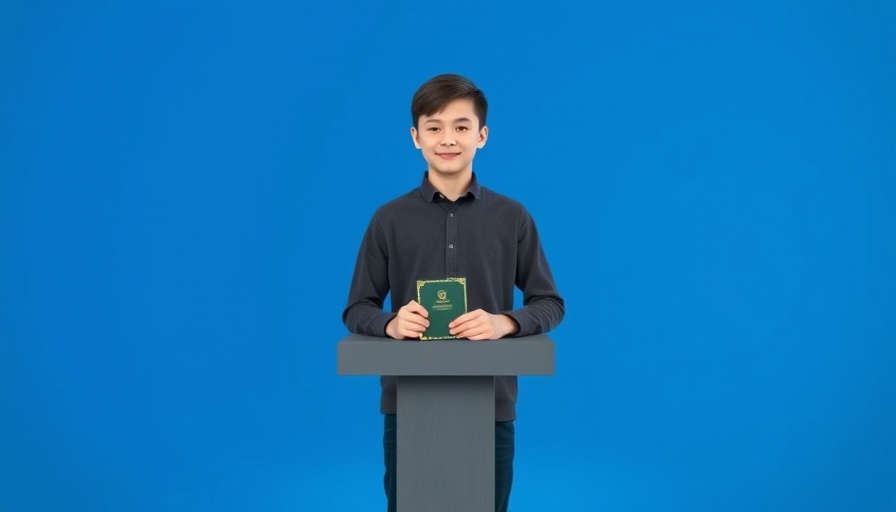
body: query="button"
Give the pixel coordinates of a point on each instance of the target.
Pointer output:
(451, 246)
(451, 215)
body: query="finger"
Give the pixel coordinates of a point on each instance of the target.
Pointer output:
(460, 320)
(476, 336)
(458, 329)
(466, 320)
(419, 320)
(408, 315)
(415, 307)
(411, 335)
(411, 331)
(480, 330)
(467, 330)
(415, 323)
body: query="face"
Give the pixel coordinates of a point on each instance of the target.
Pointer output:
(449, 139)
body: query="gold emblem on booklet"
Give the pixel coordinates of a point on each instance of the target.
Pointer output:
(444, 300)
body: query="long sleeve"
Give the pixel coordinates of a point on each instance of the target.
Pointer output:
(370, 284)
(543, 307)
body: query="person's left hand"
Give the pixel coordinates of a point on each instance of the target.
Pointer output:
(481, 325)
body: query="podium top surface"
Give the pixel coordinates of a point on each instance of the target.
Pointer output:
(370, 355)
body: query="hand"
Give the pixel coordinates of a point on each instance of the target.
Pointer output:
(480, 325)
(410, 322)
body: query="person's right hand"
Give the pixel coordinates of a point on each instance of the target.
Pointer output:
(410, 322)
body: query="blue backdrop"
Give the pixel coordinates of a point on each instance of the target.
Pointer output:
(184, 185)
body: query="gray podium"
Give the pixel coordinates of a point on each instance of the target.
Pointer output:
(446, 411)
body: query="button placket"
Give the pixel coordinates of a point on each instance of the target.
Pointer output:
(450, 245)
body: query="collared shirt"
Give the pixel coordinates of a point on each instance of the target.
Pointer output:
(485, 237)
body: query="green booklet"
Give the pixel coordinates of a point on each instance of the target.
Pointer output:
(445, 300)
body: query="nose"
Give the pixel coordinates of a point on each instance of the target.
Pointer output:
(448, 140)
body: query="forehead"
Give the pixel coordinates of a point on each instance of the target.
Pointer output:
(457, 110)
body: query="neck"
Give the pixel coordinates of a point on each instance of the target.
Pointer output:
(452, 186)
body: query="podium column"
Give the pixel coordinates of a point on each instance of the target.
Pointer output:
(446, 444)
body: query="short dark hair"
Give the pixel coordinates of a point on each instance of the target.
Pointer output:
(439, 91)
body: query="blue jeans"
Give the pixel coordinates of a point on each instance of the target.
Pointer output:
(504, 450)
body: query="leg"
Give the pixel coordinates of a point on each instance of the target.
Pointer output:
(504, 450)
(391, 457)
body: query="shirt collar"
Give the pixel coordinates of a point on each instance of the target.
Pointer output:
(430, 193)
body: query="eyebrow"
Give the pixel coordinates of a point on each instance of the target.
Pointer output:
(458, 120)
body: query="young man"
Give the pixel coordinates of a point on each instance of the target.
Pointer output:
(451, 226)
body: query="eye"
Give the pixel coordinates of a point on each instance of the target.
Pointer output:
(432, 129)
(462, 128)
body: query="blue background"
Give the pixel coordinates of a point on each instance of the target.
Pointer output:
(184, 185)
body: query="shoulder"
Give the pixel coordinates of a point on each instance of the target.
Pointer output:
(399, 207)
(504, 204)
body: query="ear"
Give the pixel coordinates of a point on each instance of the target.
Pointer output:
(483, 136)
(415, 138)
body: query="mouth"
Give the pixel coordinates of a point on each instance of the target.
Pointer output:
(448, 156)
